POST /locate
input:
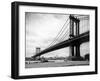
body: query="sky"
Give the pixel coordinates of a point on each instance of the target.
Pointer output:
(42, 28)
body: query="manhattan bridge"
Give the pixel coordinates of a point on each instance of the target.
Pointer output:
(69, 36)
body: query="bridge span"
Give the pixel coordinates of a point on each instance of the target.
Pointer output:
(84, 37)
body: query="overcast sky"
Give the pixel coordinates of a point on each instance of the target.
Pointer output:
(41, 29)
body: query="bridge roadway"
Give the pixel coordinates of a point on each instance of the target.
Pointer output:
(84, 37)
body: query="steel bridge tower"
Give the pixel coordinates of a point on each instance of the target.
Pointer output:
(74, 32)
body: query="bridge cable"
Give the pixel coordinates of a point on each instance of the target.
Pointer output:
(59, 33)
(66, 33)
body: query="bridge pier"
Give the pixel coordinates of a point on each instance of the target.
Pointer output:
(77, 50)
(72, 50)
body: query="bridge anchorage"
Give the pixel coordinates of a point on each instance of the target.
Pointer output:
(73, 42)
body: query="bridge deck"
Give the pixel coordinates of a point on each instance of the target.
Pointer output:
(78, 39)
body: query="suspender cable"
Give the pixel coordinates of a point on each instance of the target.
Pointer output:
(59, 33)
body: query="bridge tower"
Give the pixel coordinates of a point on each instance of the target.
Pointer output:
(74, 31)
(38, 51)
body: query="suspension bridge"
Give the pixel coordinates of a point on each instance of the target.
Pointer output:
(70, 36)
